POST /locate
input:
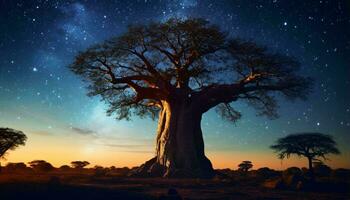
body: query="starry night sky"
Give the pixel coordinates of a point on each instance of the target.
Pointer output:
(40, 96)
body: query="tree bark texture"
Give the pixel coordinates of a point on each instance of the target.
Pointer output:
(179, 143)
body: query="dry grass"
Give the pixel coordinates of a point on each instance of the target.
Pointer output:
(58, 185)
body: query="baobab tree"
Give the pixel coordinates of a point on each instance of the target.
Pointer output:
(10, 139)
(178, 70)
(313, 146)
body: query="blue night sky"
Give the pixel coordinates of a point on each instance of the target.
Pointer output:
(42, 97)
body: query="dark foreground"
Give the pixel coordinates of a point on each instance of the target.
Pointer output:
(86, 187)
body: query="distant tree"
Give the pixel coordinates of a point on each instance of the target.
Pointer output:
(310, 145)
(98, 167)
(122, 171)
(341, 174)
(13, 167)
(65, 167)
(100, 171)
(41, 165)
(244, 166)
(79, 164)
(10, 139)
(179, 70)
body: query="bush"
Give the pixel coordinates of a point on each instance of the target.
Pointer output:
(292, 176)
(266, 173)
(322, 170)
(124, 171)
(65, 168)
(41, 166)
(341, 174)
(100, 171)
(275, 183)
(15, 167)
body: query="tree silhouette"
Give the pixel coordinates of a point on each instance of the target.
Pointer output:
(15, 167)
(41, 165)
(310, 145)
(79, 164)
(10, 139)
(179, 70)
(244, 166)
(65, 168)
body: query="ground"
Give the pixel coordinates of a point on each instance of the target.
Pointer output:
(89, 186)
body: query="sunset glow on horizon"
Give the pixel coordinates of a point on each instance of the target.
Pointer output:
(117, 151)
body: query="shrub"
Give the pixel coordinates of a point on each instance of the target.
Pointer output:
(292, 176)
(266, 173)
(322, 170)
(100, 171)
(41, 165)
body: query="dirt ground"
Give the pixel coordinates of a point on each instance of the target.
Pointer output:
(77, 186)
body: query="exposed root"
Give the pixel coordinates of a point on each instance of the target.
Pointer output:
(153, 169)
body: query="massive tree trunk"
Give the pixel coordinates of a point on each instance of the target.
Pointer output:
(179, 143)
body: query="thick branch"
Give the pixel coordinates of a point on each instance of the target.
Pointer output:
(213, 95)
(160, 81)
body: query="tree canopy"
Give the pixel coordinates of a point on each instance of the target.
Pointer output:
(310, 145)
(41, 165)
(10, 139)
(137, 71)
(313, 146)
(79, 164)
(245, 165)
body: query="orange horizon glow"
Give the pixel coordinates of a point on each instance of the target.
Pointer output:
(61, 151)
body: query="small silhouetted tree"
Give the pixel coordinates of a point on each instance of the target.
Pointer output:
(41, 165)
(65, 167)
(179, 70)
(79, 164)
(313, 146)
(14, 167)
(10, 139)
(244, 166)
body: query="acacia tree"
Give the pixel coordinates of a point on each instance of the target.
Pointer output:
(41, 165)
(310, 145)
(10, 139)
(179, 70)
(245, 165)
(79, 164)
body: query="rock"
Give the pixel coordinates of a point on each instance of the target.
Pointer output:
(148, 169)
